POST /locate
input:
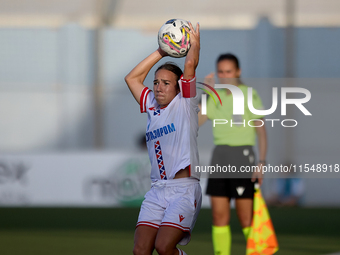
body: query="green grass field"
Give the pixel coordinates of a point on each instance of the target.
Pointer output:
(83, 231)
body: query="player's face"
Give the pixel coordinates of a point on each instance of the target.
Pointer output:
(227, 72)
(165, 87)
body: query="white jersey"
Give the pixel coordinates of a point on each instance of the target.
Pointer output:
(171, 135)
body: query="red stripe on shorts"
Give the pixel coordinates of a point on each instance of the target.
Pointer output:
(146, 223)
(174, 225)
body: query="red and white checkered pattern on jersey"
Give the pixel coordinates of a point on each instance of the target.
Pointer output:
(159, 157)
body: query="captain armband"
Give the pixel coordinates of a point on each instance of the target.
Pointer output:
(188, 87)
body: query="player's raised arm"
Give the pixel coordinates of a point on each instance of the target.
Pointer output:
(136, 77)
(192, 58)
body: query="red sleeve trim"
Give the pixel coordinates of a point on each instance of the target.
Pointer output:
(188, 87)
(143, 97)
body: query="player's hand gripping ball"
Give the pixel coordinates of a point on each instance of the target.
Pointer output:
(173, 39)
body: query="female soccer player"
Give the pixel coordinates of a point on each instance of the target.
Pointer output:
(233, 147)
(170, 208)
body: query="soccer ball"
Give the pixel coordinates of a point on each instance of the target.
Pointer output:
(173, 39)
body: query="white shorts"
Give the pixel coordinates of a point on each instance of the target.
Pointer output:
(172, 203)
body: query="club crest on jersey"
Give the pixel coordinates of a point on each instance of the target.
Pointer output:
(156, 112)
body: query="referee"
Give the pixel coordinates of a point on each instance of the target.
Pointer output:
(234, 146)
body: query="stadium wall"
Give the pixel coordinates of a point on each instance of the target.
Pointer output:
(47, 82)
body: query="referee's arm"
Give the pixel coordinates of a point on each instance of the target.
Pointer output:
(262, 144)
(262, 139)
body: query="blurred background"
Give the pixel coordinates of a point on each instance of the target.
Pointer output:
(71, 136)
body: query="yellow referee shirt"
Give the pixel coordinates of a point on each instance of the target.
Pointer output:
(234, 132)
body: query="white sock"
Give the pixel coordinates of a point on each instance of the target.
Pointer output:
(181, 252)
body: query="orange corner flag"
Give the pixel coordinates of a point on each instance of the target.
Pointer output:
(262, 239)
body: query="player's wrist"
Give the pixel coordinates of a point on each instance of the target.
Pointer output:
(262, 161)
(195, 44)
(162, 52)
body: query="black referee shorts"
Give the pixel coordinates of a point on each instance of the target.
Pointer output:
(232, 184)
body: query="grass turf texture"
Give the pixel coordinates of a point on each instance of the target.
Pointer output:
(110, 231)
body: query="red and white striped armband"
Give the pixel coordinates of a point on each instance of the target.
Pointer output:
(188, 87)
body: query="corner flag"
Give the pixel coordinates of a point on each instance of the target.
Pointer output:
(262, 239)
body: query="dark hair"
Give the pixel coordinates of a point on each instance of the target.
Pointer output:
(230, 57)
(172, 67)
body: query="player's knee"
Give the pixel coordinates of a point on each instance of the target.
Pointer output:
(161, 249)
(164, 248)
(137, 250)
(141, 250)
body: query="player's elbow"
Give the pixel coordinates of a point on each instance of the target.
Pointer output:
(127, 78)
(260, 127)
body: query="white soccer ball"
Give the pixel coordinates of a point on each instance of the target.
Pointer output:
(173, 39)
